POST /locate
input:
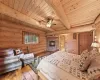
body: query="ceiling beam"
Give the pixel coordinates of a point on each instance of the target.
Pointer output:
(97, 20)
(57, 6)
(74, 30)
(17, 15)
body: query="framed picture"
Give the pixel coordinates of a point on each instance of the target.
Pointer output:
(51, 43)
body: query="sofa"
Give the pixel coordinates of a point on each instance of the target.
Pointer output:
(9, 62)
(26, 58)
(12, 59)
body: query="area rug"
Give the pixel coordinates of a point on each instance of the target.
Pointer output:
(30, 75)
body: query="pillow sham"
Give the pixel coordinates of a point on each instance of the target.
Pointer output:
(84, 60)
(94, 54)
(94, 70)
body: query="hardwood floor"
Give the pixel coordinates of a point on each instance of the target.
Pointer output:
(26, 73)
(45, 53)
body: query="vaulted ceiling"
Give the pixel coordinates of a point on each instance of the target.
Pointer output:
(81, 12)
(66, 14)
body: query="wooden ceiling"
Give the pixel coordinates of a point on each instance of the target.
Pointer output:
(38, 10)
(81, 12)
(66, 14)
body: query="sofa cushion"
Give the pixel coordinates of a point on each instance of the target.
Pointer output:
(8, 60)
(28, 56)
(28, 61)
(10, 69)
(11, 65)
(84, 60)
(6, 52)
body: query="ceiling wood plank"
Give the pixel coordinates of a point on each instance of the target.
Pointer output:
(65, 1)
(38, 6)
(74, 30)
(16, 4)
(36, 17)
(11, 3)
(30, 6)
(6, 2)
(34, 7)
(85, 15)
(21, 5)
(48, 11)
(24, 9)
(17, 15)
(70, 3)
(78, 4)
(41, 7)
(57, 6)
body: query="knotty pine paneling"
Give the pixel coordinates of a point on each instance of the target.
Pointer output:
(11, 37)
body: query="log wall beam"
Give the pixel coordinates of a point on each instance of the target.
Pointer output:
(74, 30)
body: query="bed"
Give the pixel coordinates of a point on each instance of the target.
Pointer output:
(61, 66)
(67, 66)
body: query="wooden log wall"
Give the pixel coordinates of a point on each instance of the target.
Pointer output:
(11, 37)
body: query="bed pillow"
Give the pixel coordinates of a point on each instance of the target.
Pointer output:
(94, 69)
(84, 60)
(94, 54)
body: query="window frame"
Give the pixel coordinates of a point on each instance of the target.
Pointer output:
(30, 33)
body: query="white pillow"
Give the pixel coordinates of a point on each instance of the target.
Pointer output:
(84, 60)
(29, 55)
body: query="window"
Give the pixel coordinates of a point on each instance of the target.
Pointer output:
(30, 38)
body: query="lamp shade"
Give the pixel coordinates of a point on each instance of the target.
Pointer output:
(95, 44)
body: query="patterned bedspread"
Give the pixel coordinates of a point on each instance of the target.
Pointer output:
(62, 66)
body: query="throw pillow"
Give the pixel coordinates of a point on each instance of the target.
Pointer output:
(84, 60)
(94, 69)
(94, 54)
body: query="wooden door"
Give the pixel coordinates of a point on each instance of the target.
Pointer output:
(85, 41)
(62, 42)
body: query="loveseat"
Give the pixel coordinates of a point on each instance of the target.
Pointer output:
(9, 62)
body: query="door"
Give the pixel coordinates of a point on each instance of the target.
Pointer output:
(85, 41)
(62, 42)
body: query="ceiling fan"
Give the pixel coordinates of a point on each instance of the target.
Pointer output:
(48, 22)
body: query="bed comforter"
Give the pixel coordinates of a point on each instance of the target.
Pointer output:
(62, 66)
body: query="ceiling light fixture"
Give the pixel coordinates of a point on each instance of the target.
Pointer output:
(49, 23)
